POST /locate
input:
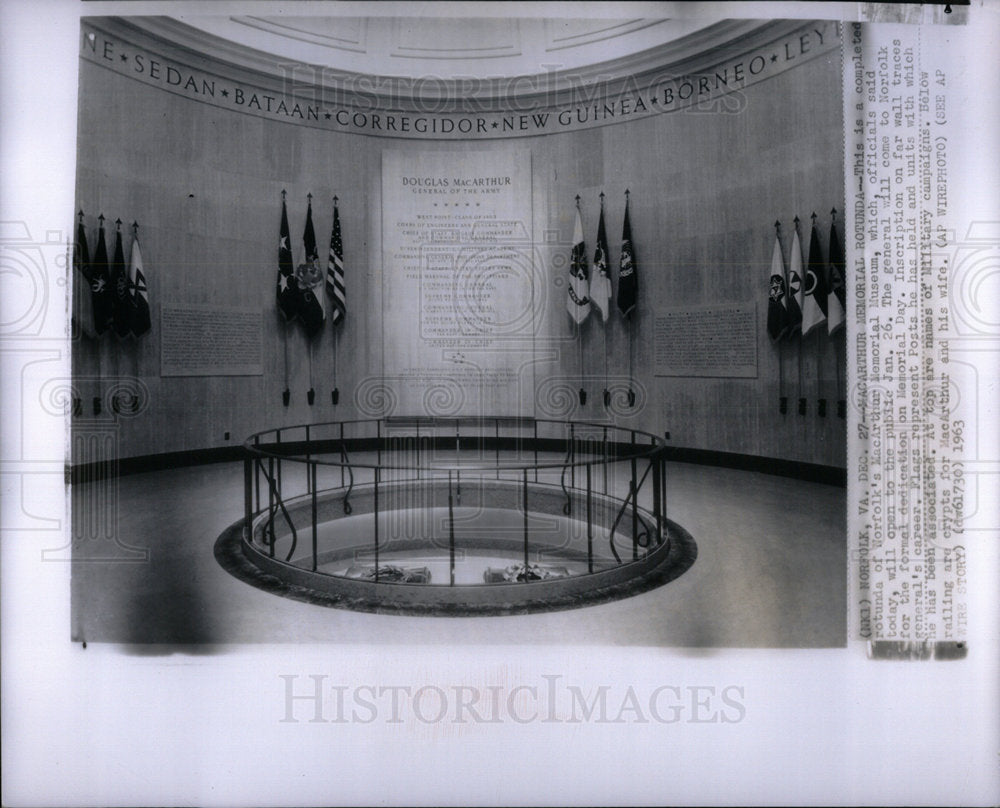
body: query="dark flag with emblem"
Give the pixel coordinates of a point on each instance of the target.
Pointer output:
(578, 302)
(119, 288)
(138, 293)
(309, 279)
(814, 307)
(836, 301)
(628, 281)
(83, 304)
(600, 283)
(287, 290)
(100, 286)
(777, 303)
(335, 286)
(795, 293)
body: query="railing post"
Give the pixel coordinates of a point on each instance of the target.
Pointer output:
(635, 507)
(534, 424)
(451, 533)
(605, 429)
(572, 455)
(590, 528)
(525, 503)
(309, 477)
(248, 497)
(277, 434)
(377, 470)
(663, 480)
(270, 503)
(311, 471)
(256, 474)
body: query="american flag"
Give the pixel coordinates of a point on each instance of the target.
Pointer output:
(335, 270)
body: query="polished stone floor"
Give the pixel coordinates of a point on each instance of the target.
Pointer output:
(770, 572)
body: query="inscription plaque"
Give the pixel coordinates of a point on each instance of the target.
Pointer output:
(460, 303)
(206, 341)
(718, 340)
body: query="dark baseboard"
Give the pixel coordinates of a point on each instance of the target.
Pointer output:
(811, 472)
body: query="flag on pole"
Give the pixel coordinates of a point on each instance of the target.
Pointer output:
(335, 287)
(122, 303)
(628, 281)
(83, 304)
(836, 301)
(578, 302)
(777, 302)
(814, 306)
(137, 287)
(600, 283)
(795, 286)
(100, 285)
(309, 278)
(287, 289)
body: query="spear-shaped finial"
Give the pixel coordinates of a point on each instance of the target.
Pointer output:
(80, 214)
(335, 198)
(135, 227)
(309, 196)
(796, 220)
(777, 224)
(602, 199)
(833, 212)
(101, 219)
(578, 200)
(627, 192)
(118, 224)
(813, 217)
(283, 192)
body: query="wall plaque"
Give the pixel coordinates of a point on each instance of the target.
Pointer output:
(459, 304)
(207, 341)
(716, 340)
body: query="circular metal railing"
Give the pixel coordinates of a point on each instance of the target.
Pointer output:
(412, 504)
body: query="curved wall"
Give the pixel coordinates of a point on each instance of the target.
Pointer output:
(204, 183)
